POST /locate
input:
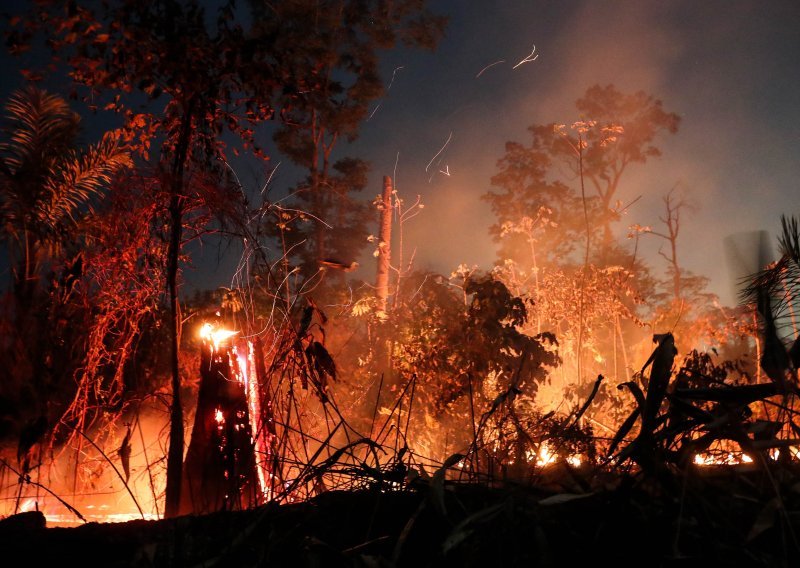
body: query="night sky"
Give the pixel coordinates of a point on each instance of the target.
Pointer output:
(731, 70)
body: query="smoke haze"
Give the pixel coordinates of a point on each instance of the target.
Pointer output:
(725, 68)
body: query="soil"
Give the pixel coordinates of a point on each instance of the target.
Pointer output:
(726, 518)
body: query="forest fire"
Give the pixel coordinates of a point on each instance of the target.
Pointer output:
(243, 450)
(97, 495)
(729, 458)
(545, 457)
(216, 336)
(334, 380)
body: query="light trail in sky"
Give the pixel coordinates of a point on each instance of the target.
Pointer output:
(389, 88)
(488, 66)
(394, 172)
(440, 151)
(528, 58)
(374, 111)
(269, 179)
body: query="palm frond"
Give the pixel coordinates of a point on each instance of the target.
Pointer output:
(779, 283)
(45, 180)
(783, 274)
(40, 126)
(790, 238)
(82, 176)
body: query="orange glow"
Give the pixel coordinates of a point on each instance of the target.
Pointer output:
(729, 458)
(215, 335)
(545, 456)
(247, 377)
(98, 493)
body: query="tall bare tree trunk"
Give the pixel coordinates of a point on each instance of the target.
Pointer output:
(582, 299)
(384, 248)
(176, 435)
(176, 204)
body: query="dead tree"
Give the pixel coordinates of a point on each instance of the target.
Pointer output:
(384, 248)
(219, 472)
(672, 222)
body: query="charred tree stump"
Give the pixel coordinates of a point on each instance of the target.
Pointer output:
(219, 472)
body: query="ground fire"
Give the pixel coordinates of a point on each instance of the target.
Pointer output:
(262, 305)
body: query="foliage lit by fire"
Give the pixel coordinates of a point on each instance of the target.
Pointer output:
(571, 352)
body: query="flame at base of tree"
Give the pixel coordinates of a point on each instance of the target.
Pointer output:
(221, 471)
(242, 455)
(241, 464)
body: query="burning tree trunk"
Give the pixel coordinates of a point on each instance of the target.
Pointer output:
(220, 468)
(383, 350)
(266, 438)
(384, 248)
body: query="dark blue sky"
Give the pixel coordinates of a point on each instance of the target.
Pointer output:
(729, 69)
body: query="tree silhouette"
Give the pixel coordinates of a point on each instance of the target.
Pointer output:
(46, 182)
(621, 132)
(334, 47)
(202, 77)
(556, 199)
(48, 185)
(183, 79)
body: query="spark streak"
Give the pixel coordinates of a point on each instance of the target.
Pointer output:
(440, 151)
(528, 59)
(374, 111)
(490, 65)
(389, 88)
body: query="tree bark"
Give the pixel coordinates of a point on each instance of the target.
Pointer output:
(176, 434)
(176, 203)
(384, 249)
(220, 469)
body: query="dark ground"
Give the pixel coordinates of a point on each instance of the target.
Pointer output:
(732, 518)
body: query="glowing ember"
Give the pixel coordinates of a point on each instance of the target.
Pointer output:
(545, 456)
(70, 520)
(729, 458)
(215, 335)
(738, 457)
(248, 379)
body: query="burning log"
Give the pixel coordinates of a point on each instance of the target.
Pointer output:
(220, 467)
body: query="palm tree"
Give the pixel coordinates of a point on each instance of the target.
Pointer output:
(46, 182)
(775, 290)
(47, 185)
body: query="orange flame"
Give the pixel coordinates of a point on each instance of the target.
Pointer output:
(215, 335)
